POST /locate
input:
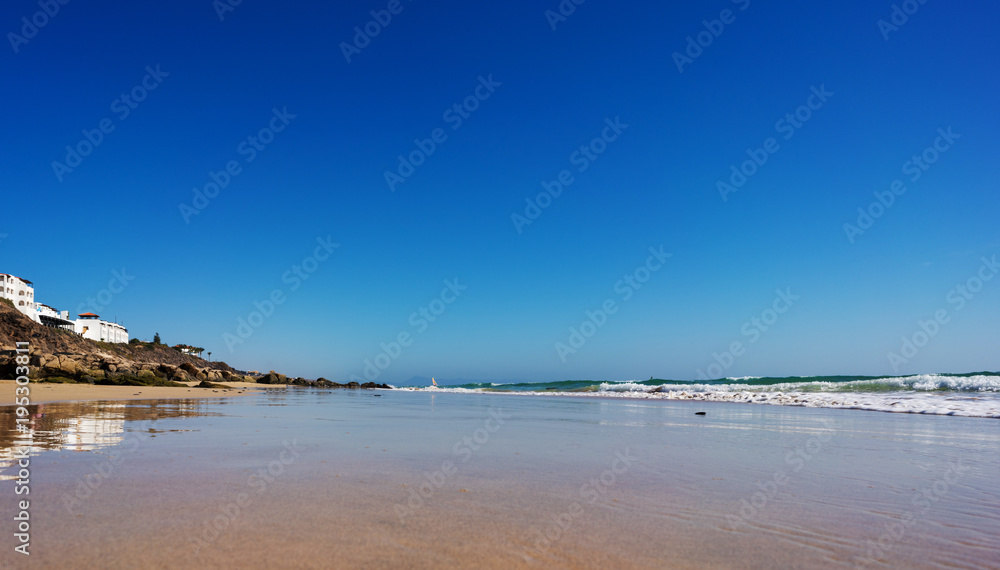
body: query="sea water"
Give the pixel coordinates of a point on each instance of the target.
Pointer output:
(973, 395)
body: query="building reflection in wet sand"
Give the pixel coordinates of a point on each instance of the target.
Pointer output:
(83, 426)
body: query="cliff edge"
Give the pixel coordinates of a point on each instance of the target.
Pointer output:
(61, 355)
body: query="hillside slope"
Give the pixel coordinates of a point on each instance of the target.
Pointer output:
(60, 353)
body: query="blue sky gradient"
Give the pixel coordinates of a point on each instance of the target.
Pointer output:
(323, 177)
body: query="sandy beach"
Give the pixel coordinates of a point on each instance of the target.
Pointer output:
(500, 285)
(388, 479)
(42, 393)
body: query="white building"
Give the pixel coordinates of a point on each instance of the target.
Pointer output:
(52, 317)
(22, 293)
(19, 291)
(91, 326)
(188, 349)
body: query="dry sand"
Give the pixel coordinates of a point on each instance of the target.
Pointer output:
(42, 393)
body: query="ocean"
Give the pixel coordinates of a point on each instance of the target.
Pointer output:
(975, 394)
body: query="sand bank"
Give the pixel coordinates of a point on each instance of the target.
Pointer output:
(42, 393)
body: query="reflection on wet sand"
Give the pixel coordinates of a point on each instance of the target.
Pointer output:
(83, 426)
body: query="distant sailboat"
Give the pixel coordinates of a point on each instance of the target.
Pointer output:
(434, 382)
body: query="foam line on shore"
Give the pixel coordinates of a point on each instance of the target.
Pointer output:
(972, 396)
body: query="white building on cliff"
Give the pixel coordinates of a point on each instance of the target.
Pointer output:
(91, 326)
(51, 317)
(21, 292)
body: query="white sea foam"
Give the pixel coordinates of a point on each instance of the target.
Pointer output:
(955, 404)
(924, 394)
(625, 387)
(445, 390)
(972, 396)
(921, 382)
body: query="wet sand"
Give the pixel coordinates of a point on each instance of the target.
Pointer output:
(311, 479)
(45, 393)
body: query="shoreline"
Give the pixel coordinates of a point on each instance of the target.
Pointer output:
(49, 393)
(913, 403)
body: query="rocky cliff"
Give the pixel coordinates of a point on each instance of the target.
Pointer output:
(57, 355)
(62, 355)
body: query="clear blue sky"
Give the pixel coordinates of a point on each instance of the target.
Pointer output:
(655, 184)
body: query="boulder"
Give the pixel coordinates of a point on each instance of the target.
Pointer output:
(206, 384)
(95, 372)
(62, 366)
(273, 377)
